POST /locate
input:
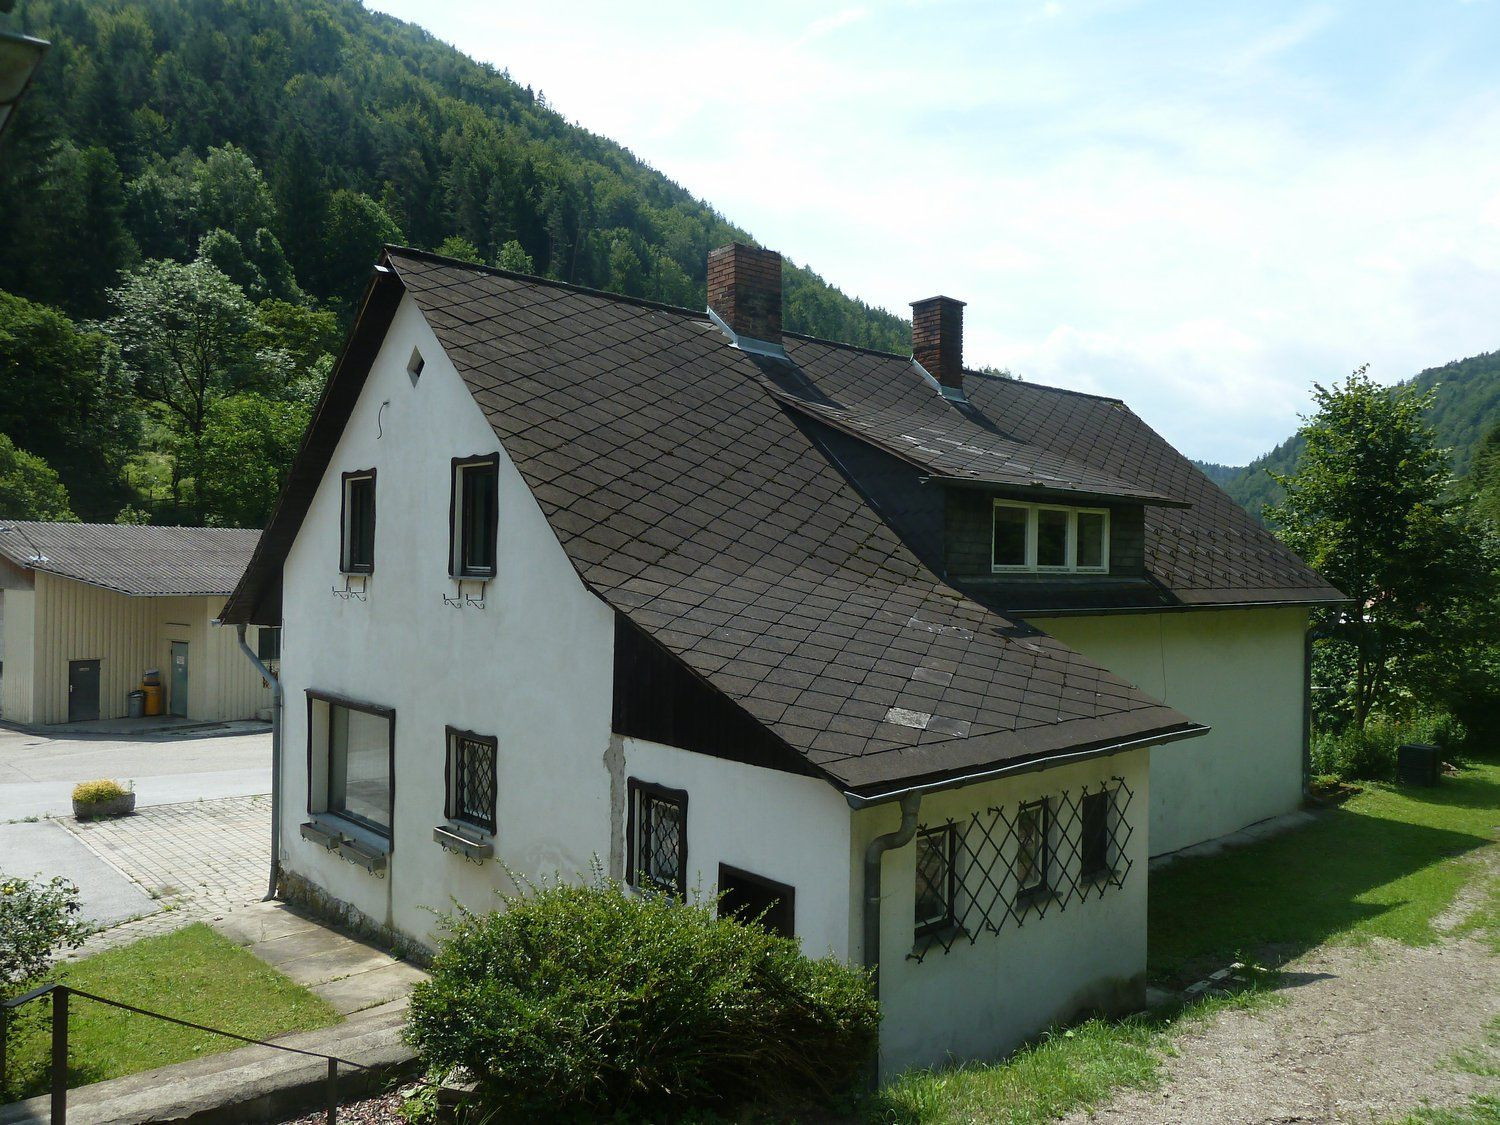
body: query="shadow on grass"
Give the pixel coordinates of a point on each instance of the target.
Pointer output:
(1375, 867)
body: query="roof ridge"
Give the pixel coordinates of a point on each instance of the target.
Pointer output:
(551, 283)
(967, 370)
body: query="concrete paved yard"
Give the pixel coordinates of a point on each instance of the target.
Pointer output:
(38, 771)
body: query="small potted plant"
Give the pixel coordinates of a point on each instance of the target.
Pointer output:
(96, 800)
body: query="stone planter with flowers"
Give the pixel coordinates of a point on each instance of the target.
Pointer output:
(102, 799)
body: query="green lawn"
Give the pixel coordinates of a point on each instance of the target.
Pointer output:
(1386, 864)
(194, 974)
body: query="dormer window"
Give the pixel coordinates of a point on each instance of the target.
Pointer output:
(475, 517)
(1048, 538)
(357, 536)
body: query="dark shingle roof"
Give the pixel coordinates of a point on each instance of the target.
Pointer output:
(683, 479)
(690, 500)
(887, 401)
(131, 558)
(1204, 549)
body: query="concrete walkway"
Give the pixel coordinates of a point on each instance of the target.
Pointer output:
(260, 1084)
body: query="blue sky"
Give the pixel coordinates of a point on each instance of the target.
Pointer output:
(1200, 208)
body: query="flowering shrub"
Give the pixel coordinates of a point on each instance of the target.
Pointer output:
(96, 792)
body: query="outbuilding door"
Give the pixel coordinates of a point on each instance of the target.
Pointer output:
(177, 704)
(83, 690)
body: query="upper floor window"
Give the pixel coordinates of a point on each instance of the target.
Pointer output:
(357, 539)
(1044, 537)
(475, 517)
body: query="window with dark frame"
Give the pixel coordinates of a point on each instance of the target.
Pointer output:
(1033, 849)
(358, 748)
(657, 838)
(937, 879)
(472, 780)
(357, 540)
(268, 644)
(1094, 844)
(475, 509)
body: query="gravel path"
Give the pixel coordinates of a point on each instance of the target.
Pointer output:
(1366, 1034)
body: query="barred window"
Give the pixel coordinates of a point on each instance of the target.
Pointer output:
(471, 778)
(1093, 849)
(936, 879)
(1033, 851)
(1010, 865)
(656, 840)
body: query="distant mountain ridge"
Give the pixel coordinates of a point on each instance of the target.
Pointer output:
(1466, 406)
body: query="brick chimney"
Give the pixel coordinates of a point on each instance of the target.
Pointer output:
(937, 339)
(744, 289)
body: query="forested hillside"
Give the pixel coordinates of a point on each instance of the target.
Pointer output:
(170, 146)
(1465, 407)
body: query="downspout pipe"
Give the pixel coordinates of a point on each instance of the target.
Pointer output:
(874, 854)
(276, 700)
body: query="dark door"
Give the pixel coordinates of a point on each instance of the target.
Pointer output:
(83, 690)
(178, 703)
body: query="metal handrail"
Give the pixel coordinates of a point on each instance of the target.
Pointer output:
(59, 1066)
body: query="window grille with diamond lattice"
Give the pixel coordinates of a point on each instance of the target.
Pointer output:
(472, 782)
(657, 838)
(1008, 864)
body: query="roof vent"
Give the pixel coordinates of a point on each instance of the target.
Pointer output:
(937, 339)
(744, 291)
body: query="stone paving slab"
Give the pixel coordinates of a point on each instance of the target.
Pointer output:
(349, 974)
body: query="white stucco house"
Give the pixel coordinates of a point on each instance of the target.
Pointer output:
(87, 609)
(924, 663)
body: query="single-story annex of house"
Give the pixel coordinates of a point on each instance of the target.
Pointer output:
(88, 609)
(922, 663)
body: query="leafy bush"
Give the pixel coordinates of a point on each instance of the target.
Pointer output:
(97, 792)
(1371, 753)
(598, 1000)
(37, 920)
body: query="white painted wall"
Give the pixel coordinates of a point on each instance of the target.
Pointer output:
(782, 826)
(533, 667)
(1238, 671)
(984, 999)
